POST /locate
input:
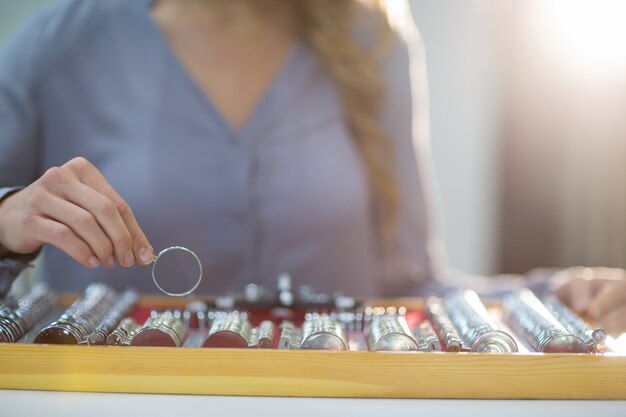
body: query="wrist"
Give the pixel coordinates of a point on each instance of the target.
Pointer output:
(9, 270)
(5, 193)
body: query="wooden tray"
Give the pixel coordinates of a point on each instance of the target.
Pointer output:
(312, 373)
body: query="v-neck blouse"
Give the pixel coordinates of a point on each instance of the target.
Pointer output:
(287, 193)
(258, 116)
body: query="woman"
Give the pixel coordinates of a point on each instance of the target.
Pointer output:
(266, 136)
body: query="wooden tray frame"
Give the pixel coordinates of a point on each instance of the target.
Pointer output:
(311, 373)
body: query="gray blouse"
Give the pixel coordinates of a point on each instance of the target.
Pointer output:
(286, 193)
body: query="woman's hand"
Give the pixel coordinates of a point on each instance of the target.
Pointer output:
(596, 293)
(74, 208)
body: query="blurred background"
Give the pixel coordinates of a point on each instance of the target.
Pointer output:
(528, 128)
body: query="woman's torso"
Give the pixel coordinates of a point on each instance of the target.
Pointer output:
(286, 193)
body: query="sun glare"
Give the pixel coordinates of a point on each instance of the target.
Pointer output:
(593, 32)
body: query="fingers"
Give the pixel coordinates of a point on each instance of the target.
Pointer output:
(608, 273)
(615, 321)
(577, 294)
(63, 184)
(579, 286)
(82, 223)
(74, 208)
(598, 293)
(612, 297)
(108, 218)
(61, 236)
(139, 249)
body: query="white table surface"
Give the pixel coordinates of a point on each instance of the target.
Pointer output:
(67, 404)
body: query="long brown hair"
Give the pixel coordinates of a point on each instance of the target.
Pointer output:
(327, 27)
